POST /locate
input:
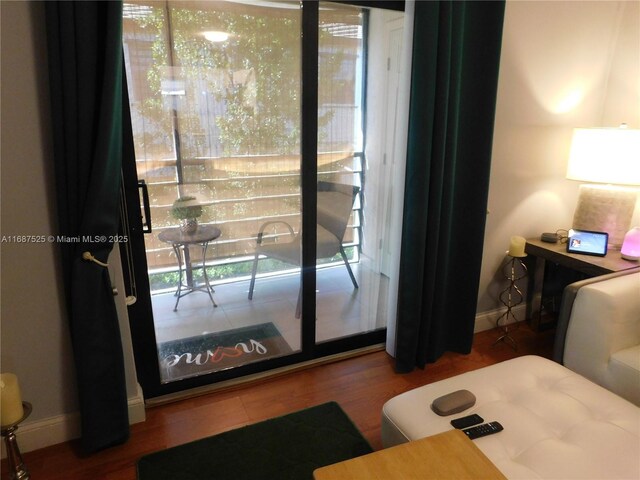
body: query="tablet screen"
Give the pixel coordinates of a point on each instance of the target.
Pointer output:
(587, 242)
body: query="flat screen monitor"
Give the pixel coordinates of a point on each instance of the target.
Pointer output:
(587, 242)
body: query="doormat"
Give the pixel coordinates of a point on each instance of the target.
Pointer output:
(221, 350)
(283, 448)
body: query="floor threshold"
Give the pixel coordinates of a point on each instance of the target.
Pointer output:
(257, 378)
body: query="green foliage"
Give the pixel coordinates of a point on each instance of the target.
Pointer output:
(154, 137)
(185, 207)
(255, 74)
(232, 270)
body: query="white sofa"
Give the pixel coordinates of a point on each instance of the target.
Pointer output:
(598, 333)
(557, 423)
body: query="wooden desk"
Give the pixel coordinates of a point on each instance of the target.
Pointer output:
(447, 455)
(587, 265)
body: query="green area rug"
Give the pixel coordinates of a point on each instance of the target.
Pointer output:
(287, 447)
(211, 352)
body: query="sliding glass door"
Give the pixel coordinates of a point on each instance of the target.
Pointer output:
(340, 173)
(359, 52)
(240, 131)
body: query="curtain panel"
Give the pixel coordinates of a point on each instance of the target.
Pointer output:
(85, 74)
(456, 52)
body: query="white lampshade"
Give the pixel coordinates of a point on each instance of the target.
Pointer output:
(605, 155)
(608, 156)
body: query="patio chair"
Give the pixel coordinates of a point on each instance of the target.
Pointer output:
(334, 206)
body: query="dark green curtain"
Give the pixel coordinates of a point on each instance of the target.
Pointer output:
(456, 52)
(85, 74)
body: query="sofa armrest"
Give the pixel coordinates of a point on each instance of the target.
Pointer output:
(566, 306)
(605, 319)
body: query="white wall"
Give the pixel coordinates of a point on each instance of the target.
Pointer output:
(35, 342)
(563, 65)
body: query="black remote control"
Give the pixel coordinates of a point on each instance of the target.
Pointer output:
(483, 430)
(468, 421)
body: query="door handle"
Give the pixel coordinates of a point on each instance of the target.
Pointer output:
(146, 217)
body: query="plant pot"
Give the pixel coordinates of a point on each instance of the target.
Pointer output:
(189, 225)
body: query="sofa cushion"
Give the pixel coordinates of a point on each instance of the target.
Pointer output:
(624, 367)
(557, 424)
(628, 358)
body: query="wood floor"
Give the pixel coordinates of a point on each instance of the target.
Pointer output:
(360, 385)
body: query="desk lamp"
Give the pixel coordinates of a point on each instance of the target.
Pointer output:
(610, 157)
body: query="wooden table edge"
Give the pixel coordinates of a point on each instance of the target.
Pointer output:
(476, 463)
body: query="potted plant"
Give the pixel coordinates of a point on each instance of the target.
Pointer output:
(187, 210)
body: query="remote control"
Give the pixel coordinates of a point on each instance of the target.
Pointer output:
(483, 430)
(468, 421)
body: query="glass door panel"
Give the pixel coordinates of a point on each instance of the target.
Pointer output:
(214, 92)
(350, 286)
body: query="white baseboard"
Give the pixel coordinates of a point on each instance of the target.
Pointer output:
(63, 428)
(487, 320)
(137, 412)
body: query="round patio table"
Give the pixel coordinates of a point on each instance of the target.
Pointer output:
(180, 242)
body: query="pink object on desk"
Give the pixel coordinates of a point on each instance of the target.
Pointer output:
(631, 246)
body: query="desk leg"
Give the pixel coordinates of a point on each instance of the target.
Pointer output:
(534, 291)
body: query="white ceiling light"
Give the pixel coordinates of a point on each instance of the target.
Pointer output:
(215, 36)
